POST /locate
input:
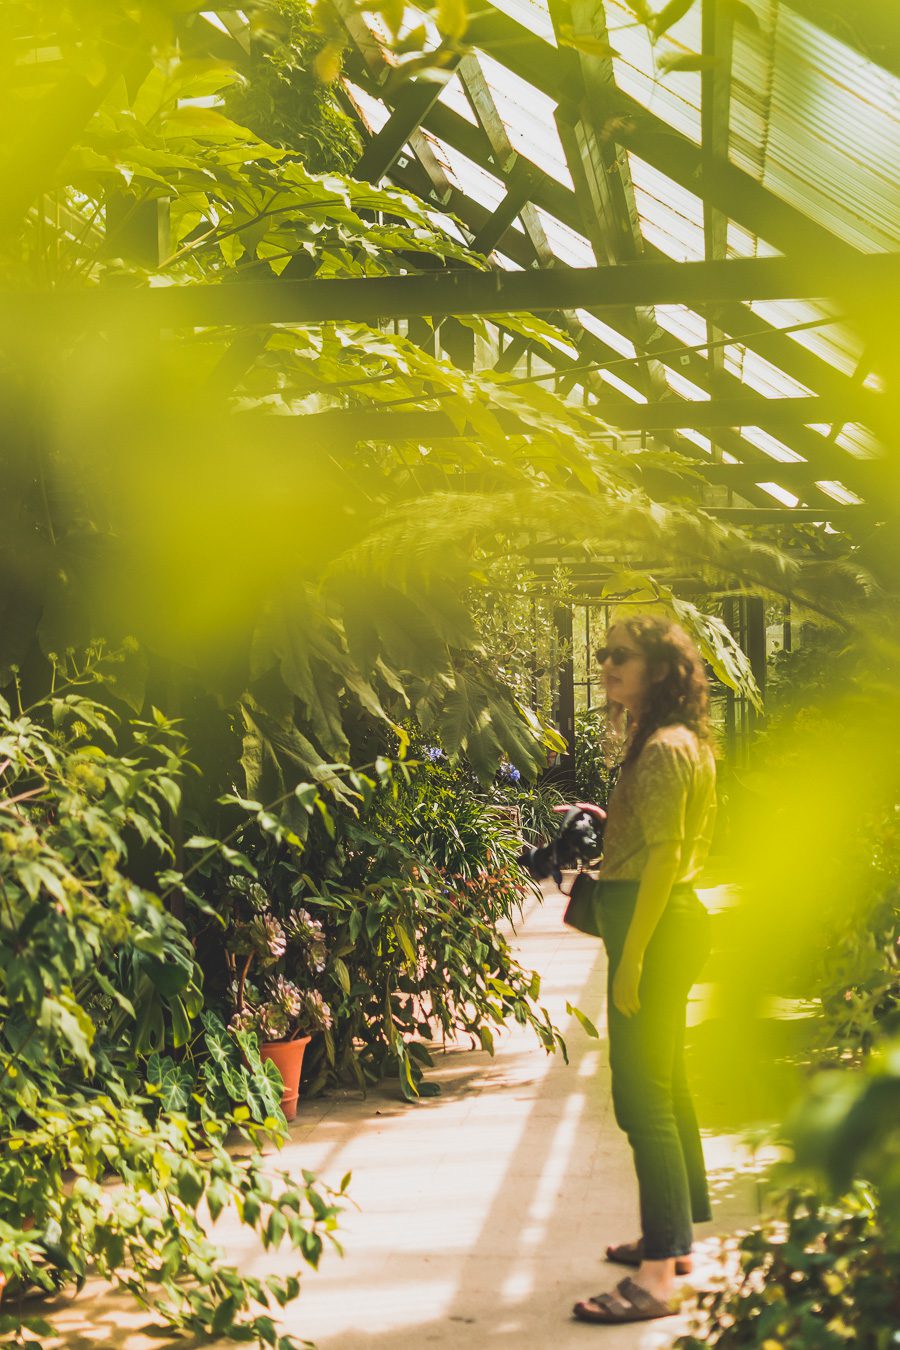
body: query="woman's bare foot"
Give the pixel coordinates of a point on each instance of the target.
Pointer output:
(658, 1278)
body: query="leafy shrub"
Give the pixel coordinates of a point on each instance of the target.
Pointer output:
(853, 971)
(441, 815)
(826, 1270)
(805, 679)
(222, 1068)
(426, 878)
(407, 876)
(821, 1277)
(596, 752)
(535, 804)
(860, 981)
(847, 1127)
(96, 977)
(284, 100)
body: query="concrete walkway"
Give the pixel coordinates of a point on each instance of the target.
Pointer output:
(482, 1213)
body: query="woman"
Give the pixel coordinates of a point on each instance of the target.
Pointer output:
(655, 929)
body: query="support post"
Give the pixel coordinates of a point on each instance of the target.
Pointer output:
(730, 607)
(756, 648)
(565, 702)
(137, 231)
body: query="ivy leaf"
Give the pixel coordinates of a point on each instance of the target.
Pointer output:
(641, 11)
(587, 43)
(584, 1020)
(669, 15)
(406, 942)
(686, 61)
(452, 17)
(64, 1017)
(743, 13)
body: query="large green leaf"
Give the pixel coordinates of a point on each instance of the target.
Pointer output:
(174, 1082)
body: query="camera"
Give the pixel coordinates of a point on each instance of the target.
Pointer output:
(580, 840)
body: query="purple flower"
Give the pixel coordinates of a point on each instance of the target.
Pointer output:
(508, 773)
(432, 753)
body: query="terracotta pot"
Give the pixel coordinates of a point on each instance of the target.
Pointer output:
(287, 1056)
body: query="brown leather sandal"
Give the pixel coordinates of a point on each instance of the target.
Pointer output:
(629, 1303)
(632, 1253)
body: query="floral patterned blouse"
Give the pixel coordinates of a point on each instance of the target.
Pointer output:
(668, 793)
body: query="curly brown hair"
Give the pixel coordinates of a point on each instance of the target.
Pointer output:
(680, 695)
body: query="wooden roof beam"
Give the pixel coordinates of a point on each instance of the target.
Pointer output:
(600, 171)
(618, 413)
(671, 152)
(466, 291)
(717, 30)
(513, 167)
(735, 319)
(412, 107)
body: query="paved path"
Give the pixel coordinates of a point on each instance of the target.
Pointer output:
(482, 1212)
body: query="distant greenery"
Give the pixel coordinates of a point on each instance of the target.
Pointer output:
(596, 754)
(404, 875)
(515, 617)
(283, 100)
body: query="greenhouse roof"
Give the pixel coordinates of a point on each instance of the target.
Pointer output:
(565, 135)
(707, 209)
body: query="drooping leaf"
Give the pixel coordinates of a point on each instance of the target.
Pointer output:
(669, 15)
(686, 61)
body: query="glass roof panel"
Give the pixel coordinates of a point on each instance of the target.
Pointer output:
(771, 445)
(829, 339)
(701, 441)
(685, 387)
(819, 125)
(682, 323)
(619, 343)
(759, 374)
(623, 386)
(454, 96)
(528, 115)
(840, 493)
(671, 218)
(743, 244)
(373, 113)
(380, 31)
(780, 494)
(676, 97)
(469, 177)
(570, 247)
(531, 14)
(811, 119)
(859, 441)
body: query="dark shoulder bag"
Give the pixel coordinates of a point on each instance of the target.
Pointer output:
(583, 909)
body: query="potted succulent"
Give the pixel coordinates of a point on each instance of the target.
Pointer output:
(282, 953)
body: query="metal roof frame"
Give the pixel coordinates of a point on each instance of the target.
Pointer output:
(726, 192)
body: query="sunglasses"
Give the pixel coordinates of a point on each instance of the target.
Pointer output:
(618, 655)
